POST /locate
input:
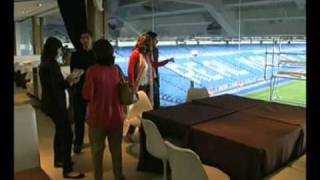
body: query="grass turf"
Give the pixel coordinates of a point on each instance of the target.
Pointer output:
(293, 92)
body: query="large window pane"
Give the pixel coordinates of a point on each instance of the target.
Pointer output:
(24, 37)
(220, 45)
(54, 26)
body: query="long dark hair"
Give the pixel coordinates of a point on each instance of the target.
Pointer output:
(103, 52)
(50, 49)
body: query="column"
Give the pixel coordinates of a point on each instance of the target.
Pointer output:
(37, 35)
(95, 21)
(17, 38)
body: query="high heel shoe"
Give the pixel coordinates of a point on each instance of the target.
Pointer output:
(73, 175)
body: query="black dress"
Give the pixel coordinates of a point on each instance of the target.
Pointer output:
(53, 103)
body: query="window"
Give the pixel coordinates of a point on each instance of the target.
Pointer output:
(23, 37)
(53, 26)
(230, 37)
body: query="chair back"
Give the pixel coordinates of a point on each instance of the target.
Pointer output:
(185, 164)
(154, 142)
(197, 93)
(142, 105)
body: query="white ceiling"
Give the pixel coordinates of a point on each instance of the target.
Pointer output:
(26, 8)
(188, 18)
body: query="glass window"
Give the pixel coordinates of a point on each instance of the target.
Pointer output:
(24, 37)
(53, 25)
(220, 45)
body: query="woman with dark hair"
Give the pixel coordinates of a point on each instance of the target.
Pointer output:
(53, 103)
(105, 114)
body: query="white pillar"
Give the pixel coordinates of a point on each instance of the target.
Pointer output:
(95, 21)
(17, 28)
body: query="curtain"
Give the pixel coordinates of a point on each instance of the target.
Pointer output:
(74, 16)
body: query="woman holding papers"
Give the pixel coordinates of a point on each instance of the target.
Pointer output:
(53, 103)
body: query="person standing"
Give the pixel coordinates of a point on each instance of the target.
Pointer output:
(141, 72)
(105, 113)
(156, 64)
(81, 59)
(53, 103)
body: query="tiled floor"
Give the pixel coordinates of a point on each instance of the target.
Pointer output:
(83, 160)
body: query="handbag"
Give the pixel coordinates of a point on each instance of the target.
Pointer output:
(127, 93)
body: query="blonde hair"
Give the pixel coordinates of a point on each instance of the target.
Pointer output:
(144, 43)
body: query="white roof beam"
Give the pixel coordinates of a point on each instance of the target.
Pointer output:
(225, 19)
(126, 23)
(273, 18)
(131, 5)
(169, 13)
(183, 24)
(256, 3)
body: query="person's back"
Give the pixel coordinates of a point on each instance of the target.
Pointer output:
(105, 114)
(105, 110)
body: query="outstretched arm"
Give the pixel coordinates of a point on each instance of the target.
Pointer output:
(162, 63)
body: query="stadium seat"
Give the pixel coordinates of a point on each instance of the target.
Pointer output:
(196, 93)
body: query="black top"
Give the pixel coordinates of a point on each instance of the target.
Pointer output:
(81, 60)
(156, 58)
(53, 86)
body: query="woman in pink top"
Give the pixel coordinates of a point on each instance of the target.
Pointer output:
(105, 114)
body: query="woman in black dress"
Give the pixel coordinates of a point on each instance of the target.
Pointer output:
(53, 103)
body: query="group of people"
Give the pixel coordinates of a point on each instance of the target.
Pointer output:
(96, 98)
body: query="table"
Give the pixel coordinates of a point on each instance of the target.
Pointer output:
(245, 138)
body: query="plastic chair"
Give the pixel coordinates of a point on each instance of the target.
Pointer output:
(155, 144)
(196, 93)
(186, 164)
(135, 111)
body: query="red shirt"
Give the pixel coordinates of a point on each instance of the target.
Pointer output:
(133, 67)
(101, 89)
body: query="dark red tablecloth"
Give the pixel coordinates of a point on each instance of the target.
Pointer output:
(245, 146)
(246, 138)
(229, 101)
(177, 120)
(294, 115)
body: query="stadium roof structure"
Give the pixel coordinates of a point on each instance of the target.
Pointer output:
(191, 18)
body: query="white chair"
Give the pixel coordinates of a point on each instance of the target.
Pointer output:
(196, 93)
(135, 111)
(186, 164)
(155, 144)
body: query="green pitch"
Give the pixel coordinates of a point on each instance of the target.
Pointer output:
(293, 93)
